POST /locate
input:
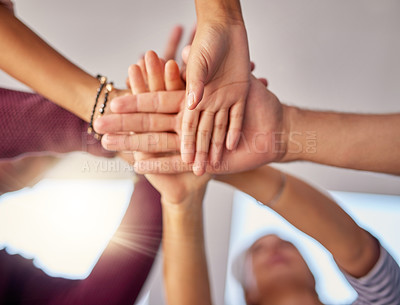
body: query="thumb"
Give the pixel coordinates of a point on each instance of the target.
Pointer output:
(196, 76)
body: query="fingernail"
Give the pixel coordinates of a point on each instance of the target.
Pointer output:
(231, 140)
(107, 142)
(190, 99)
(114, 105)
(105, 139)
(197, 170)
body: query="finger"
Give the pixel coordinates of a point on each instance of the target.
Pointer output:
(218, 137)
(172, 77)
(145, 142)
(196, 75)
(236, 114)
(173, 42)
(135, 122)
(183, 73)
(185, 54)
(164, 165)
(203, 139)
(128, 85)
(136, 80)
(128, 156)
(156, 102)
(162, 63)
(194, 92)
(252, 66)
(141, 63)
(264, 81)
(155, 75)
(185, 57)
(142, 156)
(189, 129)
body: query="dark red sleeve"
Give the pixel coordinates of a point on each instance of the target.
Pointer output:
(31, 124)
(116, 279)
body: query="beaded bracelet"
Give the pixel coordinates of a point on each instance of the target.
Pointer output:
(278, 195)
(103, 81)
(109, 88)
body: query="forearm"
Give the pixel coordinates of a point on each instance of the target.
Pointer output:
(355, 250)
(356, 141)
(221, 10)
(185, 265)
(26, 57)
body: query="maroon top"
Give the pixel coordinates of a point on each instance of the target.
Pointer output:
(30, 123)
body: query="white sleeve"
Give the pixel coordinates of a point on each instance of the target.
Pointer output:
(8, 4)
(381, 286)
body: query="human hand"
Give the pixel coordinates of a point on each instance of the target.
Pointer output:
(156, 75)
(158, 116)
(170, 52)
(15, 174)
(218, 75)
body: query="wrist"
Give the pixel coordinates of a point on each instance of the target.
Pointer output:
(183, 203)
(295, 135)
(181, 216)
(86, 95)
(222, 11)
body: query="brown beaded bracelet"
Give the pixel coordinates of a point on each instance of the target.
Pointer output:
(103, 81)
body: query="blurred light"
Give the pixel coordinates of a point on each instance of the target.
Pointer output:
(63, 224)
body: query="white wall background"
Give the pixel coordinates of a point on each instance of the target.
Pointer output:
(337, 55)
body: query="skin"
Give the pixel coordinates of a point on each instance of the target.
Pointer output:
(164, 111)
(28, 58)
(20, 173)
(218, 80)
(158, 77)
(303, 206)
(272, 132)
(279, 274)
(182, 194)
(359, 141)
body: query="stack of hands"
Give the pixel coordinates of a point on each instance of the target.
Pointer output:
(212, 118)
(149, 124)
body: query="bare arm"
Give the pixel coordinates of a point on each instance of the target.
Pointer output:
(317, 215)
(357, 141)
(185, 263)
(217, 83)
(273, 132)
(185, 266)
(218, 10)
(29, 59)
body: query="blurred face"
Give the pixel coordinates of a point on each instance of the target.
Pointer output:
(276, 264)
